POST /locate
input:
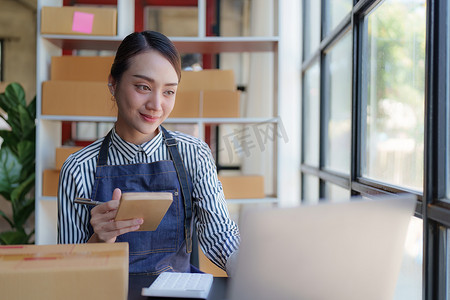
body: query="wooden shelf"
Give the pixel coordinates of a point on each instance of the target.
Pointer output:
(167, 121)
(226, 44)
(183, 44)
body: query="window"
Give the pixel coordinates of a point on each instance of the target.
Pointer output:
(311, 115)
(335, 193)
(335, 11)
(312, 22)
(395, 81)
(376, 119)
(338, 65)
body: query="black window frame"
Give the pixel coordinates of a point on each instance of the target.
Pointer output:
(433, 206)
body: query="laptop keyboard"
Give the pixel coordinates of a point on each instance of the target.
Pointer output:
(185, 285)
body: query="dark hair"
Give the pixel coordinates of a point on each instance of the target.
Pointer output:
(138, 42)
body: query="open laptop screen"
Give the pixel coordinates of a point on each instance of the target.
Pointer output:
(349, 250)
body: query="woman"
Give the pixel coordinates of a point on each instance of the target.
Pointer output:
(139, 155)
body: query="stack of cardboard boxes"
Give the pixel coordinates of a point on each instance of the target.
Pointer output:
(78, 87)
(207, 94)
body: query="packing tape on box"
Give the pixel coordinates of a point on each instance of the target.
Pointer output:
(50, 256)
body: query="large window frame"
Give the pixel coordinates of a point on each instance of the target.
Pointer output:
(433, 206)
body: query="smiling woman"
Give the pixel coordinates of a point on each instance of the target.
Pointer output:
(145, 96)
(139, 155)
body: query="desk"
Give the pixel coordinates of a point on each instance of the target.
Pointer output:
(137, 282)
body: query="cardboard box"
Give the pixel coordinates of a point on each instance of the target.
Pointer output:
(243, 187)
(207, 104)
(70, 272)
(50, 180)
(81, 68)
(62, 153)
(221, 104)
(187, 105)
(207, 80)
(77, 98)
(78, 20)
(207, 266)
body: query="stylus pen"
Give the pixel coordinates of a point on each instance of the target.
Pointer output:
(87, 201)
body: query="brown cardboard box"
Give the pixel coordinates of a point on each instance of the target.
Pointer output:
(50, 180)
(81, 68)
(62, 153)
(187, 105)
(70, 272)
(207, 80)
(77, 98)
(243, 187)
(207, 266)
(78, 20)
(221, 104)
(206, 104)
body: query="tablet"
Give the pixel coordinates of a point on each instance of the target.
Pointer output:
(150, 206)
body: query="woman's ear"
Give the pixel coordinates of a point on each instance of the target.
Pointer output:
(111, 85)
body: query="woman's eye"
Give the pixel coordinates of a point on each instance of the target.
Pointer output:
(170, 93)
(142, 87)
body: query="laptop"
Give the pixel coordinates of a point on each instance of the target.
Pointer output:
(350, 250)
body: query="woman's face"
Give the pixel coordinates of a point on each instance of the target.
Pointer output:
(145, 96)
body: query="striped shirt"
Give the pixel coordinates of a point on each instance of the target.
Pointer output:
(218, 235)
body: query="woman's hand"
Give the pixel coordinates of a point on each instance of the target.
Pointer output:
(102, 220)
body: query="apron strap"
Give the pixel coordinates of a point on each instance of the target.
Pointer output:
(103, 154)
(171, 143)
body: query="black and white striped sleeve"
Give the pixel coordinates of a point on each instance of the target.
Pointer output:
(218, 235)
(73, 219)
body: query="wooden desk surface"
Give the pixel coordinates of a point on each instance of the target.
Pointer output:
(137, 282)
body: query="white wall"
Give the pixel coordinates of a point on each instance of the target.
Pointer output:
(18, 28)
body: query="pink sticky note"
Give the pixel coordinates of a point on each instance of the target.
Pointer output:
(82, 22)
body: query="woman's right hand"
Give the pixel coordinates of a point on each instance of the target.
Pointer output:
(106, 229)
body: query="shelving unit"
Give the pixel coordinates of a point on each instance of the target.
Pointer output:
(183, 44)
(48, 135)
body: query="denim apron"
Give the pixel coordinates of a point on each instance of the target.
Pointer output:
(168, 247)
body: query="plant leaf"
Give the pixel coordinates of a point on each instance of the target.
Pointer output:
(26, 122)
(5, 103)
(32, 108)
(14, 122)
(7, 219)
(26, 155)
(15, 92)
(14, 238)
(10, 169)
(23, 212)
(18, 194)
(8, 138)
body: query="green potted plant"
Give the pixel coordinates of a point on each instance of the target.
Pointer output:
(17, 163)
